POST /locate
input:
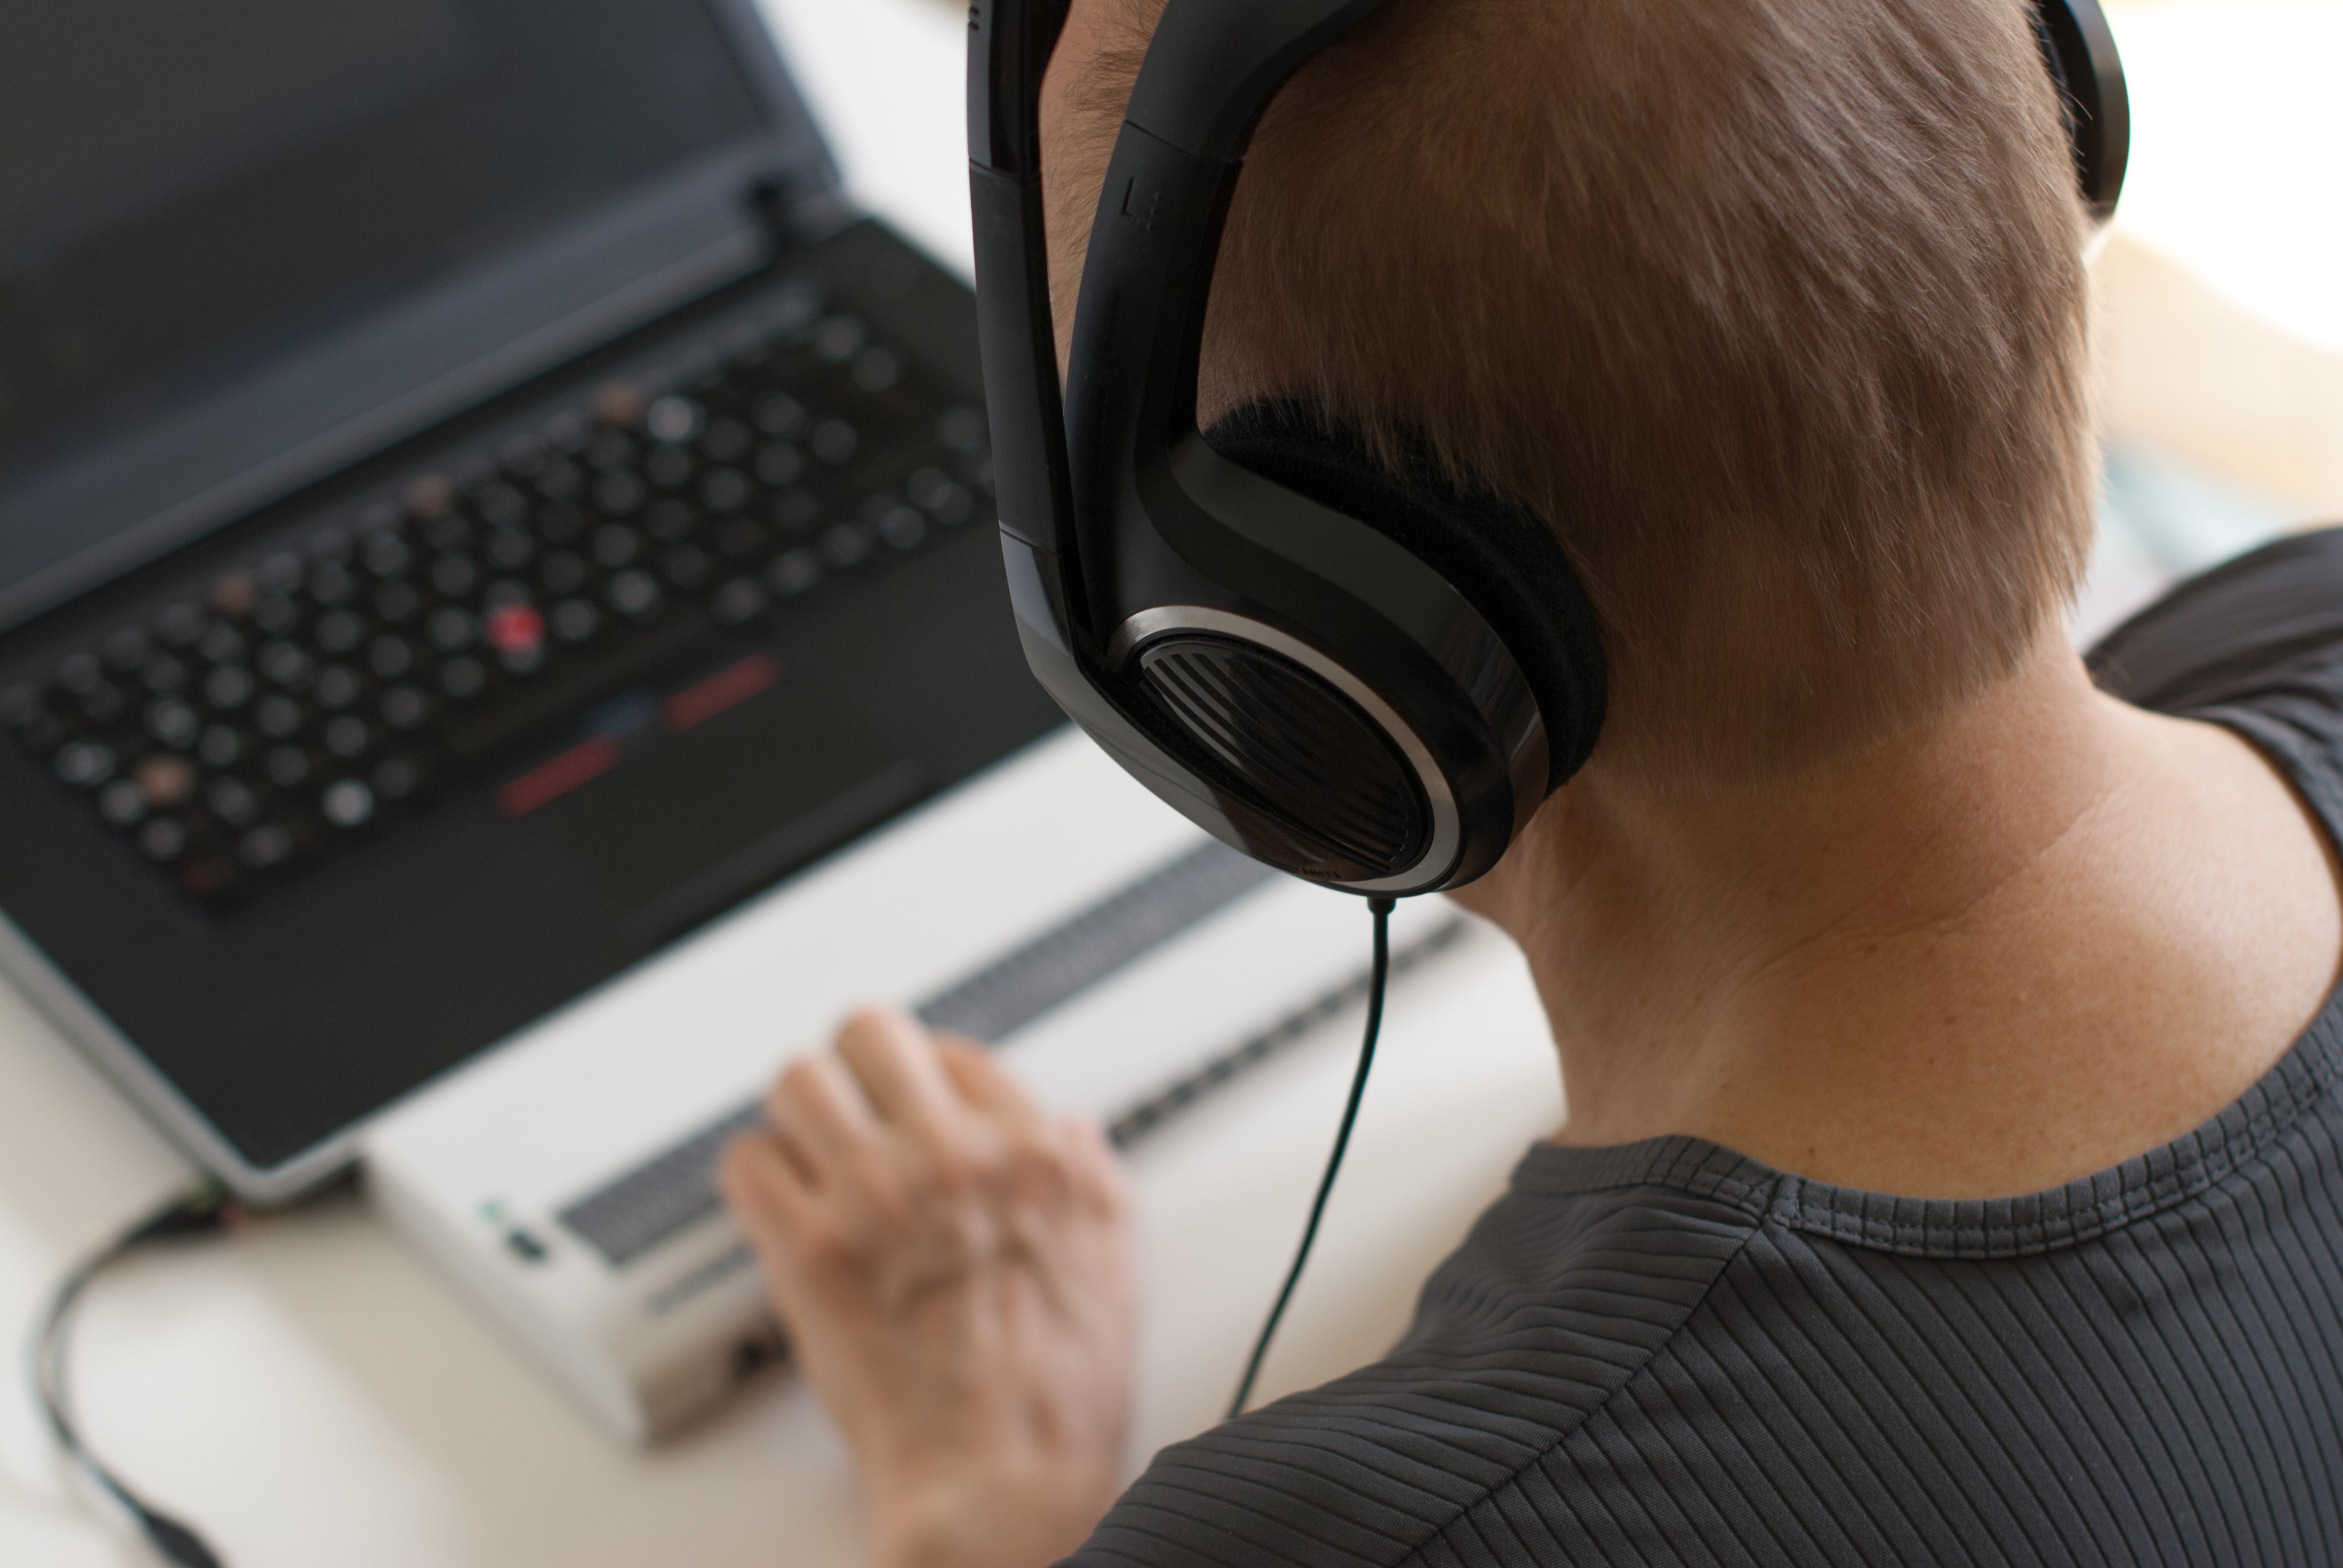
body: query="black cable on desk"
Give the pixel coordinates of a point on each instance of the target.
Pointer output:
(1378, 982)
(201, 1211)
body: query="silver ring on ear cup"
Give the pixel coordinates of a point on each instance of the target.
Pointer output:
(1432, 864)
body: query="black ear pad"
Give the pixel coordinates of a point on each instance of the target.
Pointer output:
(1505, 562)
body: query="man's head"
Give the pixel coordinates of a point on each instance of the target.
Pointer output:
(1772, 309)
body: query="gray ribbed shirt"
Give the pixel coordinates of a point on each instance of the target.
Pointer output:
(1670, 1353)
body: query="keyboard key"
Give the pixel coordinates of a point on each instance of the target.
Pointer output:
(939, 495)
(668, 467)
(728, 441)
(232, 801)
(515, 629)
(835, 442)
(288, 767)
(875, 370)
(181, 624)
(167, 781)
(347, 803)
(674, 420)
(277, 716)
(332, 584)
(463, 678)
(386, 555)
(286, 666)
(163, 839)
(280, 573)
(85, 764)
(634, 595)
(561, 480)
(779, 465)
(338, 685)
(511, 549)
(574, 620)
(794, 572)
(502, 506)
(686, 566)
(339, 631)
(742, 598)
(221, 643)
(726, 490)
(396, 779)
(404, 708)
(447, 532)
(839, 339)
(235, 594)
(450, 629)
(961, 430)
(103, 705)
(228, 687)
(845, 545)
(619, 493)
(80, 674)
(741, 538)
(561, 574)
(619, 403)
(275, 615)
(454, 577)
(391, 657)
(122, 802)
(905, 527)
(172, 723)
(265, 847)
(348, 736)
(778, 414)
(396, 604)
(429, 496)
(796, 511)
(127, 649)
(163, 674)
(615, 545)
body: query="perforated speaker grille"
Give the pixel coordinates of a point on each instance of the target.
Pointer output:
(1297, 750)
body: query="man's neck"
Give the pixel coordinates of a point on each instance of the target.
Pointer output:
(2004, 950)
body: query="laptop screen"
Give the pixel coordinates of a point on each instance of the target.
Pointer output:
(187, 190)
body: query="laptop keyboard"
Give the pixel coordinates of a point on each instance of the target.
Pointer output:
(311, 699)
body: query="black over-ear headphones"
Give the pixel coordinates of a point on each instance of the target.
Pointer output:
(1371, 679)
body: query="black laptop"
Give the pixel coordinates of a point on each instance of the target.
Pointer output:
(474, 504)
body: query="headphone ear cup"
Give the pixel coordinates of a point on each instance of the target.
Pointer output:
(2079, 49)
(1506, 563)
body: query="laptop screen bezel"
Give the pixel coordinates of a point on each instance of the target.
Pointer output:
(235, 446)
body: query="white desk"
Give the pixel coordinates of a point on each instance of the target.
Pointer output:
(312, 1393)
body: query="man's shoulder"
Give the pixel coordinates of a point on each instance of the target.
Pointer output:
(1565, 1289)
(2268, 621)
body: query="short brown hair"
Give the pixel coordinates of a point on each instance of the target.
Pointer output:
(1775, 309)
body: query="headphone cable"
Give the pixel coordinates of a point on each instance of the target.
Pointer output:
(1378, 982)
(201, 1211)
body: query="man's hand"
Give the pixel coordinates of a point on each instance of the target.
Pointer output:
(954, 1270)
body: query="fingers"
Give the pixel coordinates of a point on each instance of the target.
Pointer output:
(985, 1085)
(769, 1194)
(896, 1062)
(819, 1111)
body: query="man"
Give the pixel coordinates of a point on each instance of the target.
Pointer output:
(1775, 310)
